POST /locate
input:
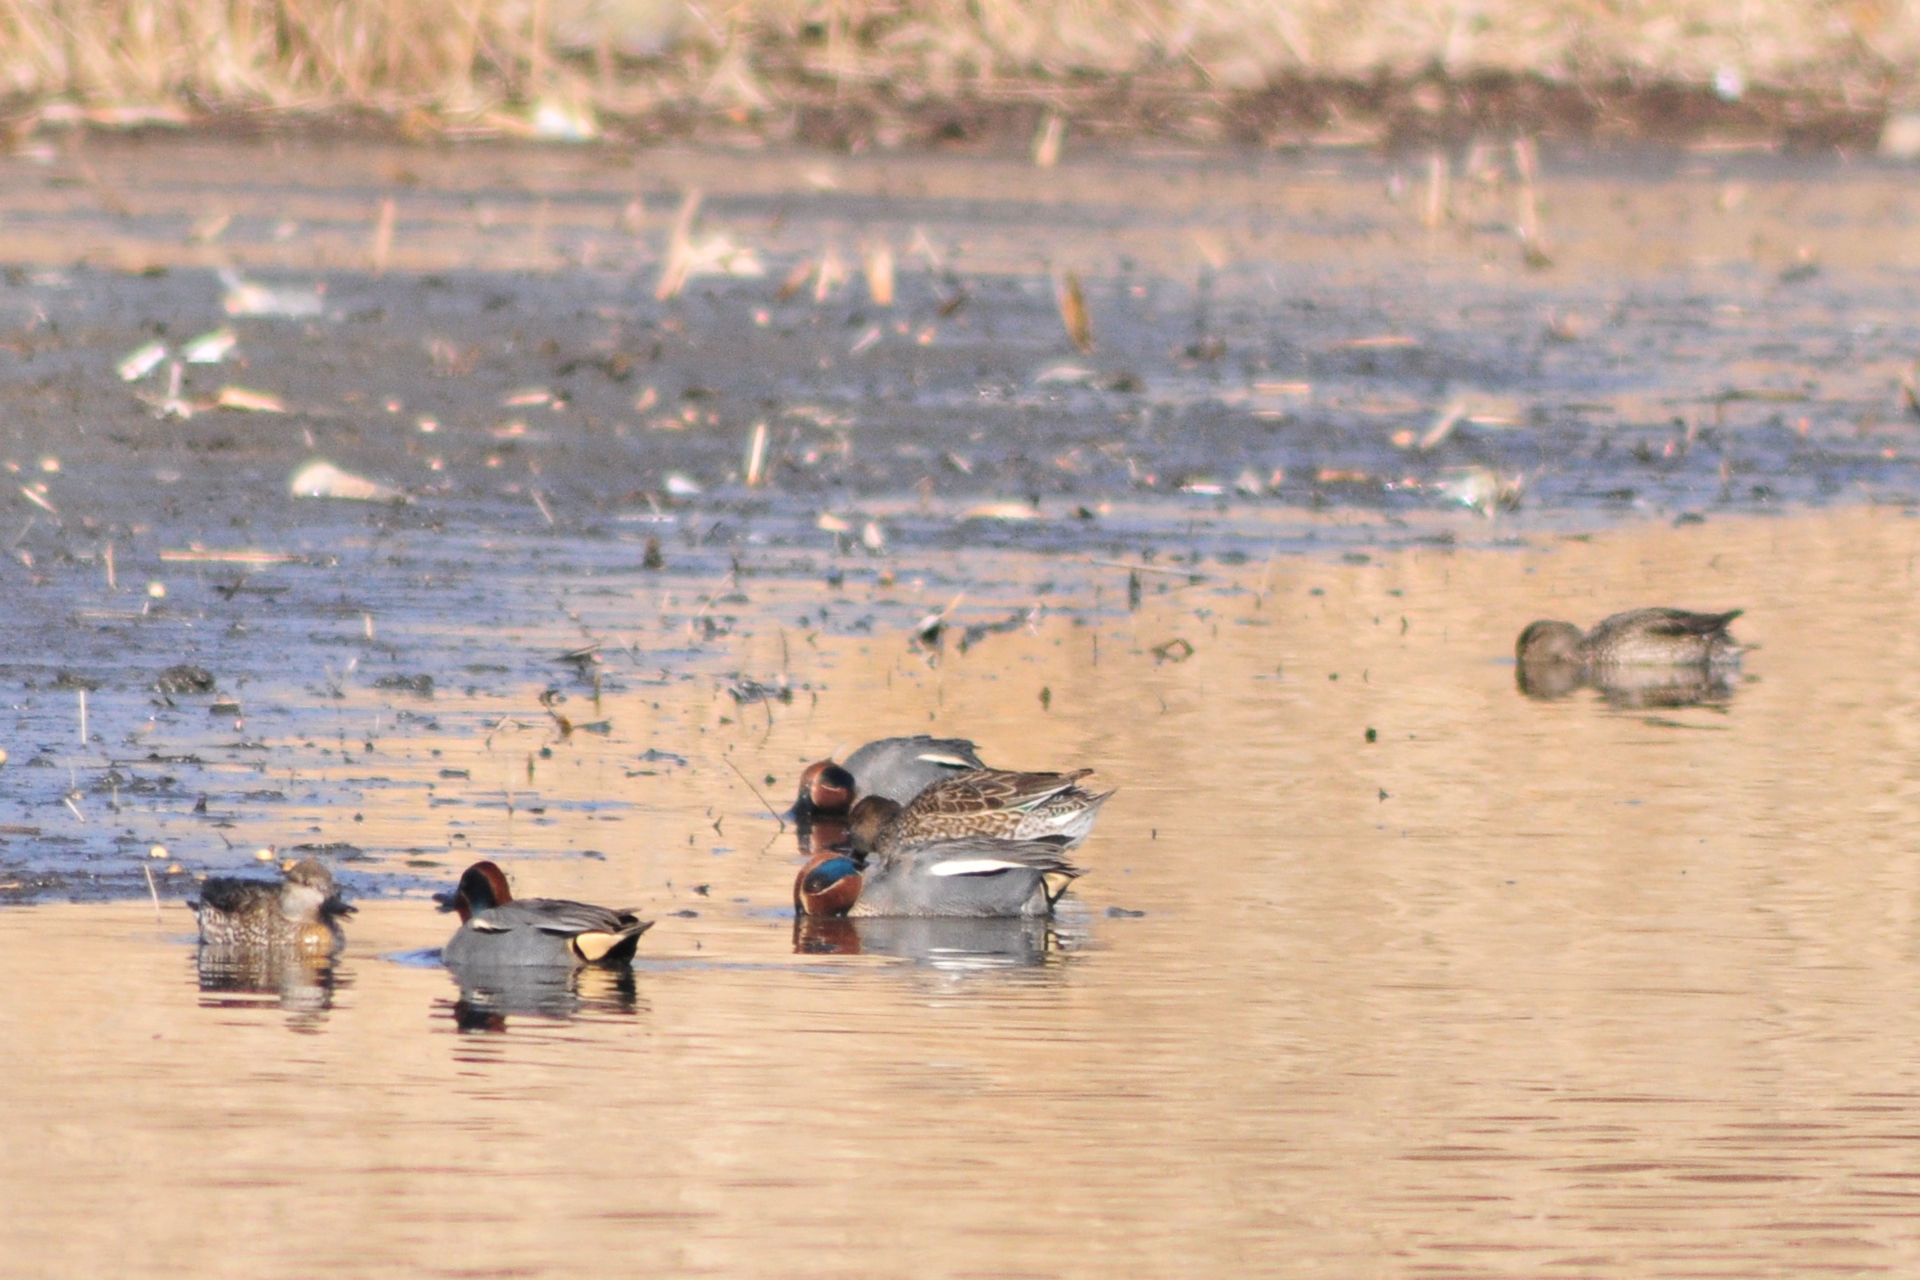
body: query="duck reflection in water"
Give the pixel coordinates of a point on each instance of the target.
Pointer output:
(299, 984)
(1646, 658)
(489, 993)
(823, 836)
(259, 937)
(1013, 942)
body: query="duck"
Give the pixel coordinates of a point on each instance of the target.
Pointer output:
(496, 929)
(967, 876)
(298, 915)
(1638, 638)
(896, 768)
(996, 803)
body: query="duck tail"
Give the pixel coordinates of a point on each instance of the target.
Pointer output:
(1680, 622)
(1055, 883)
(608, 947)
(1074, 822)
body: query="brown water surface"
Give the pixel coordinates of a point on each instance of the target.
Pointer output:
(1519, 988)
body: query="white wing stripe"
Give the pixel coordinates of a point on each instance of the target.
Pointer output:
(972, 867)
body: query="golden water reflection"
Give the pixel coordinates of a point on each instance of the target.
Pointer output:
(242, 976)
(1516, 988)
(1629, 688)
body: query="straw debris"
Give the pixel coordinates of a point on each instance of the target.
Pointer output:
(1073, 311)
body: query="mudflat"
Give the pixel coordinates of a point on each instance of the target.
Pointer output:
(1379, 966)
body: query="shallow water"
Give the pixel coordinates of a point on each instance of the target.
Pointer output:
(1518, 988)
(1379, 967)
(1717, 335)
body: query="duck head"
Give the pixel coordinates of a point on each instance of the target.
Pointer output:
(826, 791)
(869, 820)
(307, 893)
(482, 887)
(828, 885)
(1550, 641)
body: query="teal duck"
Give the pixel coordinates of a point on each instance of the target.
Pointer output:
(896, 768)
(298, 915)
(997, 803)
(1640, 638)
(496, 929)
(971, 876)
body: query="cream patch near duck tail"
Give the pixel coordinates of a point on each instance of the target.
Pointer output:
(971, 867)
(593, 947)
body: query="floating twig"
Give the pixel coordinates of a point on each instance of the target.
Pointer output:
(383, 237)
(771, 811)
(1192, 574)
(1046, 142)
(1434, 211)
(1073, 311)
(673, 274)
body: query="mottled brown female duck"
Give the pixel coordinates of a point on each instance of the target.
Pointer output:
(1639, 638)
(999, 804)
(298, 915)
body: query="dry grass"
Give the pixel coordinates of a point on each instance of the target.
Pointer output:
(463, 58)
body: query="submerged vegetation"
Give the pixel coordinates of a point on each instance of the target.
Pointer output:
(898, 69)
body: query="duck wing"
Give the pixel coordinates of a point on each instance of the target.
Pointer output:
(1680, 622)
(983, 856)
(552, 915)
(1665, 622)
(232, 895)
(988, 789)
(953, 753)
(901, 768)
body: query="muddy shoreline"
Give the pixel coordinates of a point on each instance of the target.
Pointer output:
(1288, 366)
(1388, 114)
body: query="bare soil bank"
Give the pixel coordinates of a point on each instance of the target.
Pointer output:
(1291, 365)
(1387, 113)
